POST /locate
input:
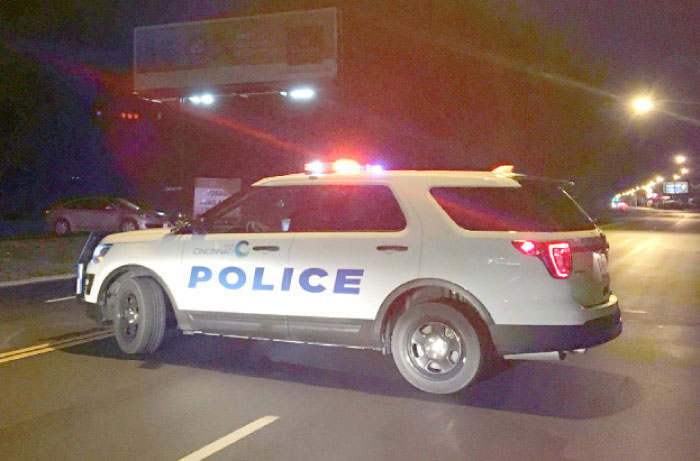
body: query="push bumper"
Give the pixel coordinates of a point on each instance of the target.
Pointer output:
(518, 339)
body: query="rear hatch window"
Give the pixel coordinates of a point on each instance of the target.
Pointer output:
(533, 207)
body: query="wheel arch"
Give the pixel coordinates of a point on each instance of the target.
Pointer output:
(65, 218)
(126, 219)
(139, 271)
(421, 290)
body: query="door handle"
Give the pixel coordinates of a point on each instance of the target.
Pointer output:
(392, 248)
(266, 248)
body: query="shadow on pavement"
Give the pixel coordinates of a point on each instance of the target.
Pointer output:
(535, 388)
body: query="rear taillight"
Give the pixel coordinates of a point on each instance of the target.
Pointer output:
(560, 257)
(556, 256)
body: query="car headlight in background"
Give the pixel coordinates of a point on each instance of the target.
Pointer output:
(99, 252)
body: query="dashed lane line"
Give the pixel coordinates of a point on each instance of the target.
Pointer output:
(229, 439)
(53, 346)
(58, 300)
(29, 281)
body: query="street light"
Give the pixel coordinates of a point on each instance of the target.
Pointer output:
(300, 94)
(207, 99)
(684, 171)
(642, 105)
(659, 179)
(680, 159)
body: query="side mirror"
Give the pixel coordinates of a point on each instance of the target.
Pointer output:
(184, 225)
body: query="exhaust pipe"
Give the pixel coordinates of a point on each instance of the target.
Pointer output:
(553, 355)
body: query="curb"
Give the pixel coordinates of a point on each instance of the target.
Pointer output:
(48, 278)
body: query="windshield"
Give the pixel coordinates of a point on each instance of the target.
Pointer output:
(123, 203)
(223, 207)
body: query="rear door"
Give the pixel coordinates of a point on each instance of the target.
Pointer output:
(106, 215)
(232, 278)
(80, 212)
(353, 245)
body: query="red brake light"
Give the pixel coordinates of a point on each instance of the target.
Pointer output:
(526, 247)
(556, 256)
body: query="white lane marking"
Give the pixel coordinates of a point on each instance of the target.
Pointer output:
(632, 311)
(58, 300)
(230, 439)
(12, 335)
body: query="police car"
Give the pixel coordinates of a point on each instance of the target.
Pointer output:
(444, 270)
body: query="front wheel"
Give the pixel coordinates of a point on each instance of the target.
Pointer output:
(128, 225)
(437, 348)
(139, 323)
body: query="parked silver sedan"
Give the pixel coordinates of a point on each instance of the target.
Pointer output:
(102, 213)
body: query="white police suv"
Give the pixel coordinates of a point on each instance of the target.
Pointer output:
(445, 270)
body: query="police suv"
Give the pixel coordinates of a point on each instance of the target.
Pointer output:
(445, 270)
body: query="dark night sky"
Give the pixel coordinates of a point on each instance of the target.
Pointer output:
(619, 48)
(648, 46)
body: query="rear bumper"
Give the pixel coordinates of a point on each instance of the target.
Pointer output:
(517, 339)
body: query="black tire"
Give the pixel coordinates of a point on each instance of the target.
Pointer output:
(139, 323)
(61, 227)
(128, 225)
(437, 348)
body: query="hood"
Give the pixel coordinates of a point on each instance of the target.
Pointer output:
(147, 235)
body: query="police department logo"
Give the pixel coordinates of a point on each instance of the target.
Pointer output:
(241, 250)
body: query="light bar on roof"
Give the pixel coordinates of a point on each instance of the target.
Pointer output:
(341, 166)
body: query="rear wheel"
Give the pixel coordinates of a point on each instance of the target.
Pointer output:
(139, 323)
(61, 227)
(437, 348)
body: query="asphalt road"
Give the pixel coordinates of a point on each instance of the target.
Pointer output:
(76, 397)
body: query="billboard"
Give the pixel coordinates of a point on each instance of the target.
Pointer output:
(680, 187)
(292, 47)
(209, 192)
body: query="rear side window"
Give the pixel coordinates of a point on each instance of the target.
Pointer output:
(533, 207)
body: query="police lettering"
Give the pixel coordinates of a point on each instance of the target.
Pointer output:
(311, 280)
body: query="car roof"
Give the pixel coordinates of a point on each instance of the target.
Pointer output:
(418, 178)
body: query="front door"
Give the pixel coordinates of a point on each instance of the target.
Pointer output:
(232, 277)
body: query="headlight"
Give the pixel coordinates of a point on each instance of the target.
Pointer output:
(99, 252)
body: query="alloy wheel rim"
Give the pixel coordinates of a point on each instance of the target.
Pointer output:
(129, 316)
(435, 349)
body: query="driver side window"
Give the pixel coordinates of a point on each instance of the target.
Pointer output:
(265, 209)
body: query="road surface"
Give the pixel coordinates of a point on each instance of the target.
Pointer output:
(68, 393)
